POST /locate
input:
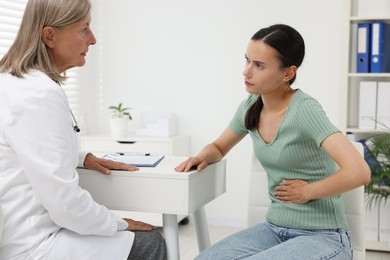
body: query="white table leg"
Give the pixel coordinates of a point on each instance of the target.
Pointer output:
(171, 235)
(202, 231)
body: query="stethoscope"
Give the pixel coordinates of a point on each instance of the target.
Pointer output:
(76, 127)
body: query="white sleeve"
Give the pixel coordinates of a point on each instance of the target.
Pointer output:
(82, 156)
(40, 132)
(122, 225)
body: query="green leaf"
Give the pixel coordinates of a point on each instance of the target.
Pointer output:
(120, 111)
(379, 186)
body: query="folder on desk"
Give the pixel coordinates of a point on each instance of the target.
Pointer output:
(363, 48)
(136, 159)
(380, 47)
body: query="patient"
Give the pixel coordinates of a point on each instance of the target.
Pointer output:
(297, 146)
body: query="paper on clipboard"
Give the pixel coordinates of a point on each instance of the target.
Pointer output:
(136, 159)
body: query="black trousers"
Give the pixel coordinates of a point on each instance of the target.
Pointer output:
(148, 245)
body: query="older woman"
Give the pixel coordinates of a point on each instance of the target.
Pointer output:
(46, 214)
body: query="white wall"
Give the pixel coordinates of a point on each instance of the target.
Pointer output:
(188, 56)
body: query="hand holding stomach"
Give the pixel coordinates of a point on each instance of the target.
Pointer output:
(191, 163)
(292, 191)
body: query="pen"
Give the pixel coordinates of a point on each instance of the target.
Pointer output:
(146, 154)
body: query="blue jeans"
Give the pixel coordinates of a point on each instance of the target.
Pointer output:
(270, 242)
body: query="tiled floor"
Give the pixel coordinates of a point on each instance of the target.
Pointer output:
(189, 246)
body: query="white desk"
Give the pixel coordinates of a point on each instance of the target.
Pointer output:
(178, 145)
(161, 190)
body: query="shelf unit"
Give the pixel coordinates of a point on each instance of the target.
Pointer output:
(351, 79)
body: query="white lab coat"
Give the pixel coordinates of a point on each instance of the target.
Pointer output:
(46, 215)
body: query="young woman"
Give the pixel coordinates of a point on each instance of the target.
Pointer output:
(298, 147)
(46, 215)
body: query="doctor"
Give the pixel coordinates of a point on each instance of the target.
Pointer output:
(46, 214)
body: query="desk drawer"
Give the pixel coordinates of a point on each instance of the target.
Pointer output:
(110, 146)
(176, 145)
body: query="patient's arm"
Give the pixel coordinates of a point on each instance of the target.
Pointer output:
(353, 172)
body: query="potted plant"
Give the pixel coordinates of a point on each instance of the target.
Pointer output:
(119, 121)
(377, 156)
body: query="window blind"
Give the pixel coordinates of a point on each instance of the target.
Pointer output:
(11, 13)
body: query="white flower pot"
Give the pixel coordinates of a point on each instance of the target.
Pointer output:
(119, 126)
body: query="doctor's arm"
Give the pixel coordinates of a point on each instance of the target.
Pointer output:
(48, 154)
(212, 152)
(104, 166)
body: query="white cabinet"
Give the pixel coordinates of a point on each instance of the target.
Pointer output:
(358, 12)
(378, 226)
(175, 145)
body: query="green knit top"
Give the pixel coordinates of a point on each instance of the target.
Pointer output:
(296, 153)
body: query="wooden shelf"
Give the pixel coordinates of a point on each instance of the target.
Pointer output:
(359, 130)
(378, 245)
(369, 75)
(369, 18)
(355, 13)
(361, 11)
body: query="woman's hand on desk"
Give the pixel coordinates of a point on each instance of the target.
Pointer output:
(138, 225)
(192, 163)
(102, 165)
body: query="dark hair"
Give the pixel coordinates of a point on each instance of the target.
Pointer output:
(290, 47)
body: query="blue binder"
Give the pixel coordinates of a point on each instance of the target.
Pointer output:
(380, 47)
(363, 47)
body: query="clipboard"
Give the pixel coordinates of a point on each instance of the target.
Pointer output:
(136, 159)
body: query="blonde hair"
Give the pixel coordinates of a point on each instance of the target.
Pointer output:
(28, 51)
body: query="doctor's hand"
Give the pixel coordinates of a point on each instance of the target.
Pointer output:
(292, 191)
(138, 225)
(191, 163)
(102, 165)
